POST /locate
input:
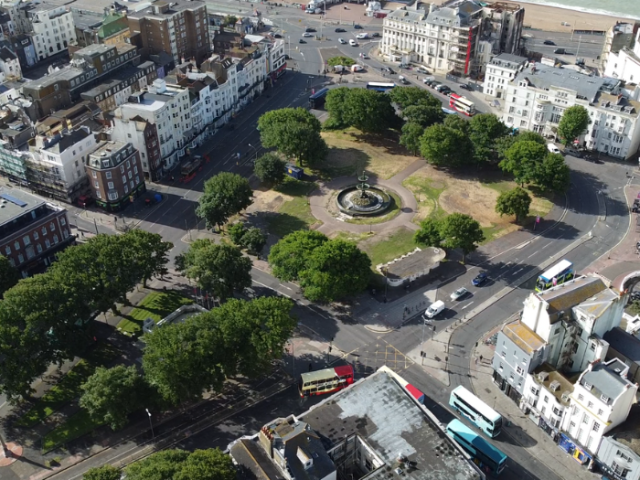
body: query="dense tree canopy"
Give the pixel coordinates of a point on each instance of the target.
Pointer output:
(484, 130)
(363, 109)
(413, 96)
(209, 464)
(445, 146)
(553, 174)
(270, 169)
(423, 115)
(514, 202)
(289, 256)
(225, 195)
(341, 60)
(522, 159)
(294, 132)
(574, 122)
(411, 135)
(219, 269)
(336, 99)
(9, 276)
(454, 231)
(105, 472)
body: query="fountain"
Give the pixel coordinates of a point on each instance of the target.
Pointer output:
(362, 199)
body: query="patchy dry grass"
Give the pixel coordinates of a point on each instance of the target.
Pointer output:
(351, 151)
(384, 248)
(292, 209)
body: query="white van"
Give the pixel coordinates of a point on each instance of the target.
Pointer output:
(403, 80)
(353, 43)
(434, 309)
(552, 148)
(362, 36)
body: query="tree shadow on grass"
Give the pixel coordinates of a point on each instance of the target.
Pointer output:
(282, 224)
(389, 141)
(342, 162)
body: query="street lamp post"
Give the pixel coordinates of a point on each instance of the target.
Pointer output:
(153, 435)
(289, 38)
(6, 451)
(256, 150)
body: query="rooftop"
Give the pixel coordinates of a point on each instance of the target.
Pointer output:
(87, 20)
(162, 10)
(508, 60)
(525, 338)
(545, 77)
(598, 304)
(15, 203)
(624, 343)
(606, 380)
(618, 104)
(63, 141)
(550, 378)
(414, 263)
(109, 151)
(569, 294)
(384, 415)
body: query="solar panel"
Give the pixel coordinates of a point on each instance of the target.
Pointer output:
(12, 199)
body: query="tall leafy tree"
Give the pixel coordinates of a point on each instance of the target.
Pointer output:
(254, 240)
(429, 233)
(290, 255)
(514, 202)
(423, 115)
(369, 111)
(270, 169)
(111, 394)
(163, 465)
(225, 194)
(445, 146)
(457, 123)
(219, 269)
(209, 464)
(553, 174)
(9, 276)
(574, 122)
(105, 472)
(335, 270)
(411, 96)
(341, 60)
(149, 252)
(522, 159)
(334, 104)
(484, 130)
(410, 138)
(461, 231)
(294, 132)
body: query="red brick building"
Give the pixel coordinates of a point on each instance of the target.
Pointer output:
(32, 231)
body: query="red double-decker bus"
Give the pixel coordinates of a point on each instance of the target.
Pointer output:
(462, 104)
(325, 381)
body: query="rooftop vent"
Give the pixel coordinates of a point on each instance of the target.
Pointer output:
(565, 396)
(543, 376)
(554, 386)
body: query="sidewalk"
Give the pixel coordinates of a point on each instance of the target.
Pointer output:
(521, 430)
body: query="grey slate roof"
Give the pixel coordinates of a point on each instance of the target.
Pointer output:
(605, 381)
(624, 343)
(11, 210)
(508, 60)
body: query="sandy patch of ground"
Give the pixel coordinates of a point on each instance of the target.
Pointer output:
(351, 151)
(268, 201)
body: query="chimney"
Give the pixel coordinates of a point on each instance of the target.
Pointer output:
(432, 7)
(305, 459)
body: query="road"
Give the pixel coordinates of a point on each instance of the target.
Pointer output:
(588, 47)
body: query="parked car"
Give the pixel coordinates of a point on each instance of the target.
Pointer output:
(440, 87)
(364, 56)
(310, 30)
(375, 35)
(552, 148)
(353, 43)
(459, 293)
(428, 81)
(549, 42)
(389, 70)
(357, 27)
(560, 51)
(480, 279)
(403, 80)
(342, 41)
(307, 34)
(301, 41)
(465, 86)
(277, 35)
(423, 70)
(434, 309)
(573, 152)
(340, 30)
(357, 68)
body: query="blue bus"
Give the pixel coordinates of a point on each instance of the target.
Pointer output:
(486, 418)
(317, 99)
(380, 86)
(559, 273)
(486, 456)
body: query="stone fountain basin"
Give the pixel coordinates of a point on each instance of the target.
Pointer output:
(349, 208)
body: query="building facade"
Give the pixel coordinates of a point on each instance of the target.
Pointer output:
(143, 135)
(115, 175)
(51, 27)
(619, 452)
(546, 394)
(179, 28)
(32, 231)
(619, 58)
(499, 72)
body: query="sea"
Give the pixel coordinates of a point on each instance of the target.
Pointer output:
(616, 8)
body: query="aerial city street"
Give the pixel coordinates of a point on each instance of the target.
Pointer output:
(325, 241)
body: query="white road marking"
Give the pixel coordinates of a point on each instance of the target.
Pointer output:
(467, 305)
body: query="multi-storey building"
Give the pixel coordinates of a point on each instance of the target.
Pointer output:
(458, 39)
(143, 135)
(56, 167)
(89, 66)
(625, 347)
(115, 175)
(51, 27)
(277, 64)
(537, 97)
(619, 58)
(168, 107)
(32, 231)
(619, 452)
(25, 50)
(601, 400)
(109, 28)
(500, 71)
(179, 28)
(547, 393)
(9, 66)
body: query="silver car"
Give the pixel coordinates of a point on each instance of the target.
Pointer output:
(459, 293)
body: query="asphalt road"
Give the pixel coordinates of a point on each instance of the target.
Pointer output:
(588, 47)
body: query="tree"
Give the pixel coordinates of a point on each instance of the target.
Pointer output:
(368, 111)
(484, 130)
(334, 104)
(457, 123)
(410, 138)
(149, 251)
(504, 143)
(295, 133)
(553, 174)
(444, 146)
(514, 202)
(335, 270)
(406, 97)
(230, 20)
(461, 231)
(254, 240)
(340, 60)
(209, 464)
(573, 123)
(105, 472)
(270, 169)
(289, 256)
(423, 115)
(521, 160)
(110, 395)
(429, 234)
(236, 232)
(9, 276)
(182, 360)
(225, 194)
(219, 269)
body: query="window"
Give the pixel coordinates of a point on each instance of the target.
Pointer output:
(36, 236)
(623, 456)
(580, 397)
(546, 399)
(519, 370)
(110, 184)
(585, 419)
(590, 404)
(620, 470)
(16, 246)
(96, 184)
(47, 243)
(501, 366)
(20, 258)
(596, 426)
(534, 391)
(121, 168)
(52, 227)
(7, 250)
(108, 175)
(63, 222)
(26, 240)
(39, 248)
(44, 230)
(55, 239)
(592, 346)
(600, 412)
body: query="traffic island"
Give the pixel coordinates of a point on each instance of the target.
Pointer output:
(10, 454)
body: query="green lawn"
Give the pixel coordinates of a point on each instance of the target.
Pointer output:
(75, 426)
(294, 214)
(156, 305)
(68, 387)
(399, 243)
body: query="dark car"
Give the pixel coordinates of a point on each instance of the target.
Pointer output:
(340, 30)
(480, 279)
(560, 51)
(277, 35)
(375, 35)
(301, 41)
(389, 70)
(310, 30)
(573, 152)
(464, 86)
(549, 42)
(357, 27)
(287, 57)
